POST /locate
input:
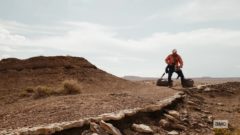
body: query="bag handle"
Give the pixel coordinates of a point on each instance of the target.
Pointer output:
(163, 75)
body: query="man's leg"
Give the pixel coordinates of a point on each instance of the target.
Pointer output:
(170, 72)
(180, 74)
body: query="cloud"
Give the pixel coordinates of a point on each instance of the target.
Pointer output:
(12, 44)
(213, 10)
(3, 56)
(33, 30)
(202, 49)
(6, 38)
(237, 66)
(198, 11)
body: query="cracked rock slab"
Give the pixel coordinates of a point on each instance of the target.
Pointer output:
(57, 127)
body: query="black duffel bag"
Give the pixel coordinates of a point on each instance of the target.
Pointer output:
(162, 82)
(188, 83)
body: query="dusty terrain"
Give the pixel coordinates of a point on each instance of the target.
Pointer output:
(101, 92)
(213, 102)
(192, 115)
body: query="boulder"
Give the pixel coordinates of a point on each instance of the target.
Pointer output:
(171, 118)
(164, 123)
(167, 125)
(192, 103)
(210, 118)
(201, 87)
(207, 89)
(178, 127)
(174, 113)
(173, 133)
(220, 104)
(95, 127)
(113, 116)
(109, 128)
(142, 128)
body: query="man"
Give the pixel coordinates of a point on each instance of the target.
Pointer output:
(175, 64)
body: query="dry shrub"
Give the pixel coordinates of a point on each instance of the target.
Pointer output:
(224, 131)
(24, 94)
(27, 92)
(71, 87)
(43, 91)
(67, 87)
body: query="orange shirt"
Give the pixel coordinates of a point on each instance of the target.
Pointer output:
(174, 58)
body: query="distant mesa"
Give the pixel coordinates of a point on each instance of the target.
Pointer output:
(138, 78)
(206, 77)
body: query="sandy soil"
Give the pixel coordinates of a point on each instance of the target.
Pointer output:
(196, 112)
(30, 112)
(101, 92)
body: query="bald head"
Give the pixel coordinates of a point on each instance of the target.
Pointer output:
(174, 51)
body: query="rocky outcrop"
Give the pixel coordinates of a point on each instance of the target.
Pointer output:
(109, 128)
(142, 128)
(57, 127)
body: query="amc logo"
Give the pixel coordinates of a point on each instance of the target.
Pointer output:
(220, 124)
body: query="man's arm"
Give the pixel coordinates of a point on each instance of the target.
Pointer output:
(167, 59)
(180, 61)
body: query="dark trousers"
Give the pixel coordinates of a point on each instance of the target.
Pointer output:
(171, 70)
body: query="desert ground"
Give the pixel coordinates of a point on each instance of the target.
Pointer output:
(44, 90)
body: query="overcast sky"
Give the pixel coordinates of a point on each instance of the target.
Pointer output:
(127, 37)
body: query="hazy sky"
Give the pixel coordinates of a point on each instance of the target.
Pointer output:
(127, 37)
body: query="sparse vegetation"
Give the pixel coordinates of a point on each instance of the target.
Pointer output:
(43, 91)
(71, 87)
(226, 132)
(221, 132)
(27, 92)
(68, 87)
